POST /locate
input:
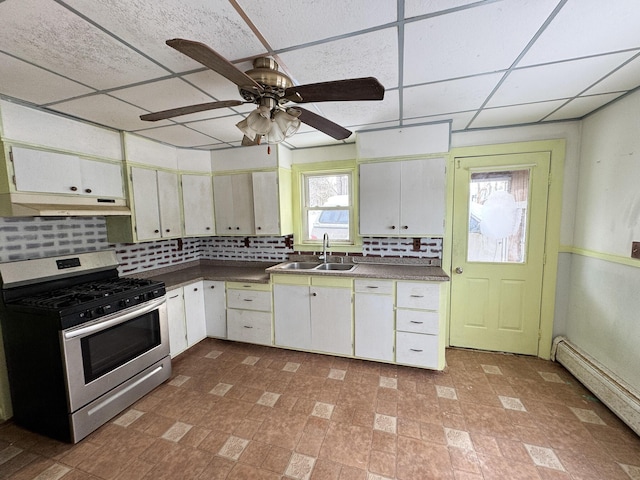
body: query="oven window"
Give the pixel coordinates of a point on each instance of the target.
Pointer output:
(108, 349)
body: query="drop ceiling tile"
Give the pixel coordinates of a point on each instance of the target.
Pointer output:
(554, 81)
(477, 40)
(51, 36)
(27, 82)
(177, 135)
(310, 20)
(219, 88)
(223, 129)
(626, 78)
(515, 115)
(162, 95)
(372, 54)
(587, 27)
(376, 126)
(147, 24)
(579, 107)
(414, 8)
(452, 96)
(108, 111)
(312, 139)
(359, 113)
(459, 120)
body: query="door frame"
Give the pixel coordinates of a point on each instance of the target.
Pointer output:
(556, 149)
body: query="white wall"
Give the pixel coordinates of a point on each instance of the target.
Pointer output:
(602, 315)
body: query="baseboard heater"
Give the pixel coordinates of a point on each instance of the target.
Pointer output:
(610, 390)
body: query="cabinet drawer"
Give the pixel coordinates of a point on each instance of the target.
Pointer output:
(262, 287)
(248, 326)
(418, 321)
(381, 287)
(418, 295)
(417, 349)
(249, 300)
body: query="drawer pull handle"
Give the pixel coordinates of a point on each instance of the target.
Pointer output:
(415, 350)
(248, 326)
(175, 296)
(417, 296)
(248, 299)
(419, 323)
(246, 286)
(371, 286)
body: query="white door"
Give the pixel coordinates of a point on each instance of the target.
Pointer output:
(223, 201)
(169, 204)
(331, 320)
(243, 221)
(40, 171)
(145, 203)
(374, 330)
(292, 316)
(176, 321)
(194, 313)
(266, 203)
(422, 195)
(499, 225)
(379, 214)
(197, 198)
(215, 309)
(101, 179)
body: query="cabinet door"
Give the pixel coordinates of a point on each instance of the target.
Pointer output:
(266, 203)
(233, 199)
(40, 171)
(374, 337)
(197, 198)
(215, 311)
(379, 198)
(177, 322)
(292, 316)
(101, 179)
(145, 203)
(331, 320)
(169, 204)
(422, 196)
(194, 313)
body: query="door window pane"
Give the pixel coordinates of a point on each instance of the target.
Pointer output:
(498, 209)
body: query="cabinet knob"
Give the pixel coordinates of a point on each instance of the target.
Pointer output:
(314, 294)
(259, 228)
(87, 190)
(405, 227)
(156, 231)
(212, 286)
(74, 189)
(195, 289)
(228, 228)
(392, 227)
(237, 228)
(208, 228)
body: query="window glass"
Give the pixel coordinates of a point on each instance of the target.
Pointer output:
(328, 207)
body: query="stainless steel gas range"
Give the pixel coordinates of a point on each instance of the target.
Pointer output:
(81, 343)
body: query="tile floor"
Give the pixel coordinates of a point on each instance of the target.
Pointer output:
(237, 411)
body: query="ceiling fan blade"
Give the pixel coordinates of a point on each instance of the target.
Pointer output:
(209, 58)
(176, 112)
(324, 125)
(367, 88)
(247, 142)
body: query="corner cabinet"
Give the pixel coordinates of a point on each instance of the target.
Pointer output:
(413, 204)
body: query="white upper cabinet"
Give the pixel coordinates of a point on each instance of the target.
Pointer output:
(50, 172)
(233, 199)
(169, 204)
(197, 199)
(403, 198)
(145, 202)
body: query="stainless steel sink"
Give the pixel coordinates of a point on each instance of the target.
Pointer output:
(301, 265)
(343, 267)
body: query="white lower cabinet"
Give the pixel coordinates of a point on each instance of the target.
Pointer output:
(418, 332)
(177, 322)
(374, 319)
(215, 308)
(310, 315)
(186, 317)
(249, 312)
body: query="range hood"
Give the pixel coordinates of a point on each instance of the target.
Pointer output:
(47, 205)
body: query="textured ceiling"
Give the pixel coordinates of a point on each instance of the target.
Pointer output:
(478, 64)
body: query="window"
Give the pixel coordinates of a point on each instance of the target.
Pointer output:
(327, 207)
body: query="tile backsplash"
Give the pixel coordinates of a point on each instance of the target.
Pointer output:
(36, 237)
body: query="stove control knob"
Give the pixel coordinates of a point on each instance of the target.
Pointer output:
(125, 302)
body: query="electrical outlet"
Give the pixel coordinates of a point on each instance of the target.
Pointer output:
(635, 250)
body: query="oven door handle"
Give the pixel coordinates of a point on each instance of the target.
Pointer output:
(115, 319)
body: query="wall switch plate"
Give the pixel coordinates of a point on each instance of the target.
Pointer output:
(635, 250)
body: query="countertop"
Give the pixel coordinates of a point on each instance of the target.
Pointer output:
(260, 272)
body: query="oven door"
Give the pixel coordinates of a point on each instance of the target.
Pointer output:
(101, 355)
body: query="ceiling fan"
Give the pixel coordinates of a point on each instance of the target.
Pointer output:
(271, 90)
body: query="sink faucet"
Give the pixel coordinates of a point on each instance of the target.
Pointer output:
(325, 245)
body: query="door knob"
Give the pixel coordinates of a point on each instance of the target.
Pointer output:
(458, 269)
